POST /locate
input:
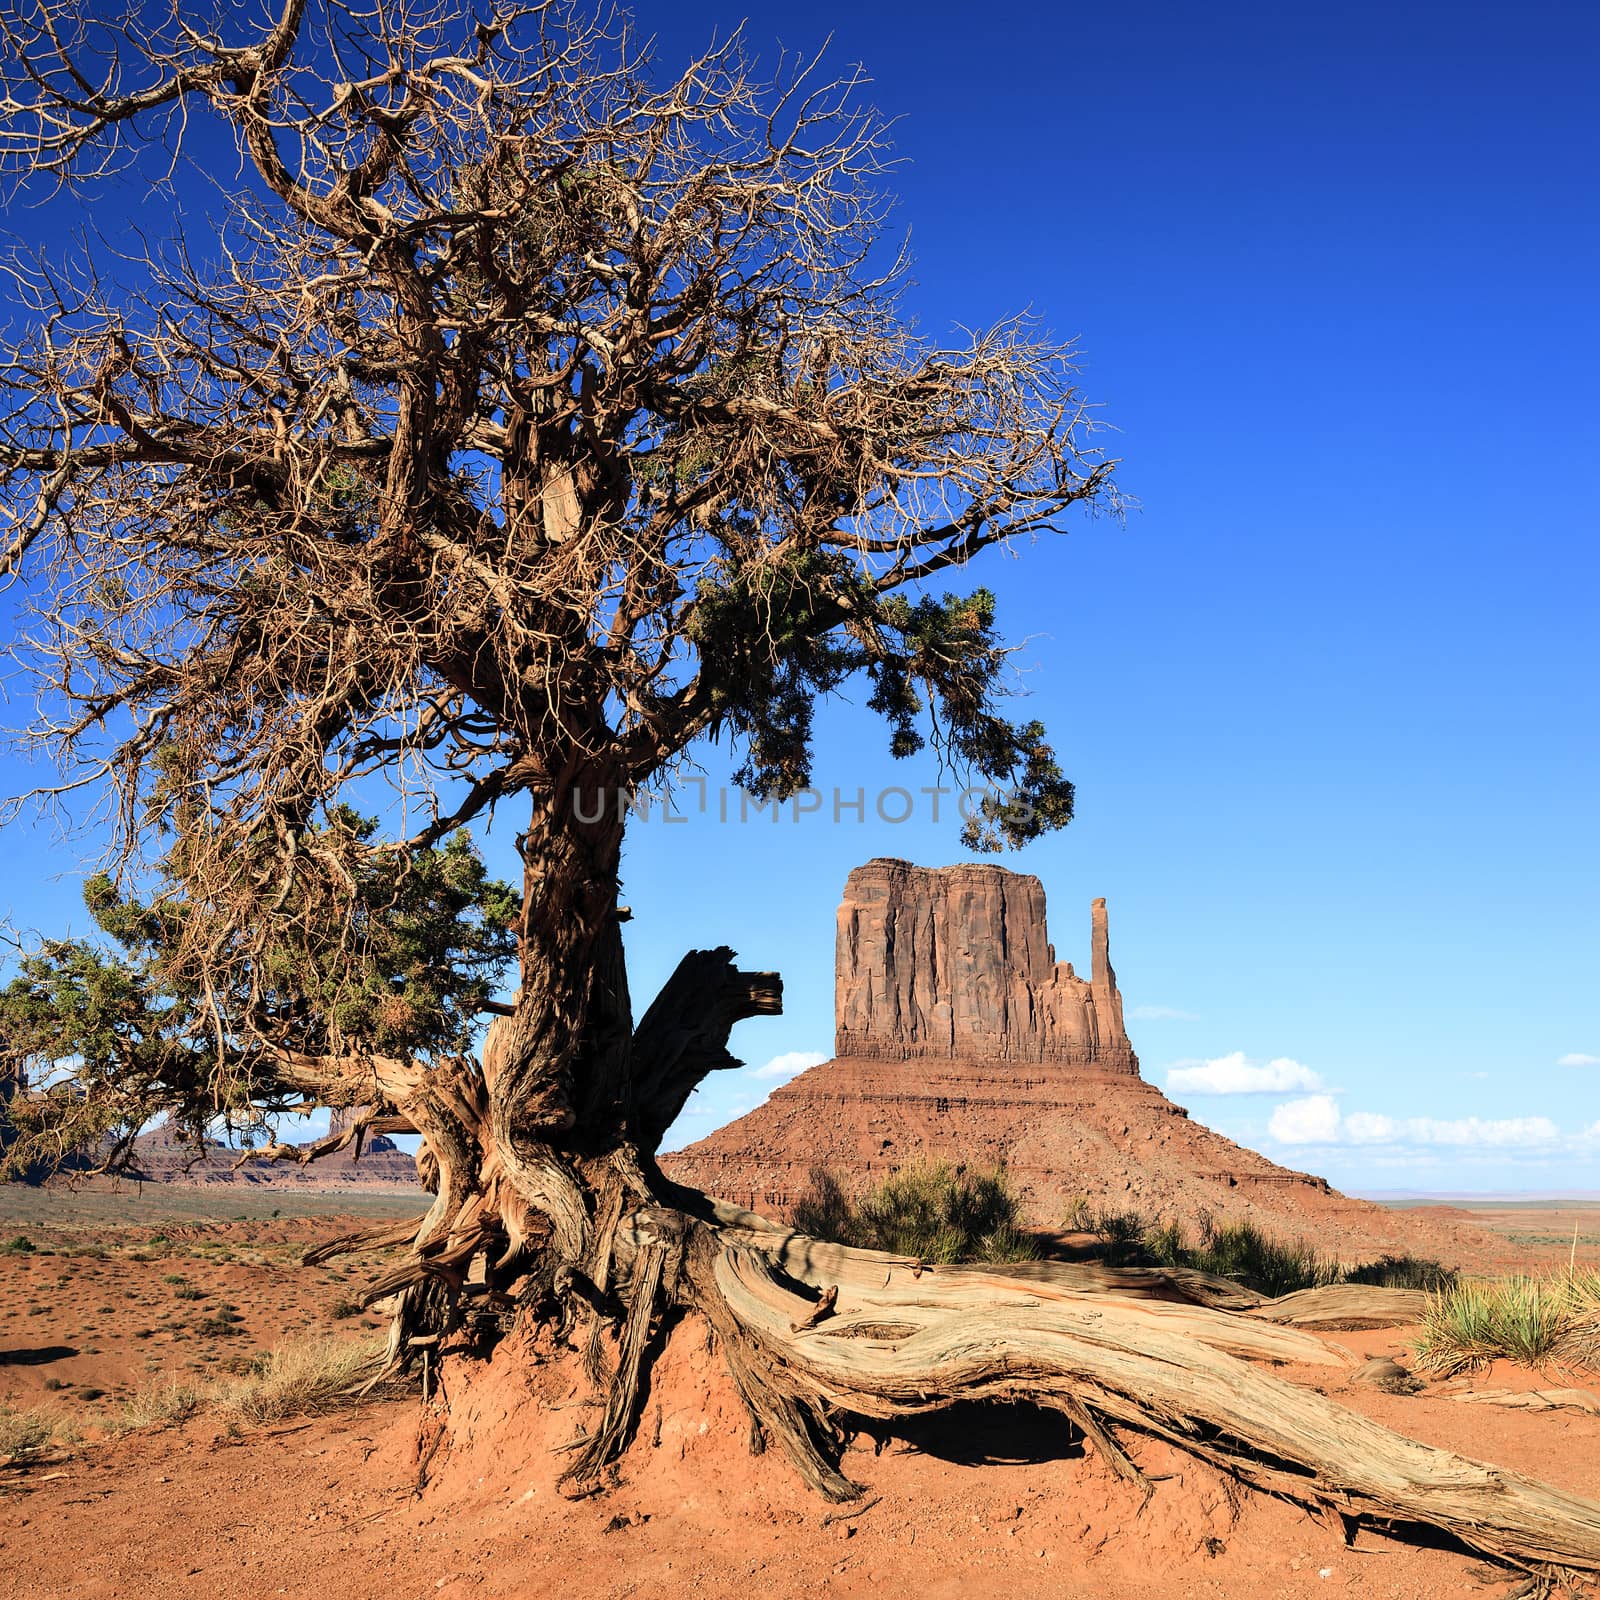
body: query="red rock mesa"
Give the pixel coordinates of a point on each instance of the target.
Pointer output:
(959, 1037)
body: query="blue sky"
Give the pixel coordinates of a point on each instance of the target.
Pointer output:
(1329, 695)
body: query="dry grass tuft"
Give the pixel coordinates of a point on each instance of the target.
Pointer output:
(1549, 1321)
(165, 1405)
(306, 1378)
(23, 1435)
(294, 1380)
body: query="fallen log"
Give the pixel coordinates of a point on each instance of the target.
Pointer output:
(899, 1344)
(1345, 1305)
(1533, 1399)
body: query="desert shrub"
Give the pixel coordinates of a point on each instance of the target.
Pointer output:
(1404, 1272)
(1166, 1245)
(1240, 1251)
(344, 1307)
(19, 1244)
(1123, 1237)
(930, 1211)
(23, 1435)
(1580, 1340)
(164, 1404)
(294, 1380)
(1236, 1250)
(1525, 1319)
(313, 1375)
(824, 1211)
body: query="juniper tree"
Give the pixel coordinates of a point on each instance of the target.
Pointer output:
(521, 423)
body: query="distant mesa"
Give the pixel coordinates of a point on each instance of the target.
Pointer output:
(960, 1038)
(161, 1156)
(955, 963)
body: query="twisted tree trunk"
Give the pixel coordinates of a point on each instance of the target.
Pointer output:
(549, 1205)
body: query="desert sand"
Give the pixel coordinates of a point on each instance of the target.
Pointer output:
(366, 1500)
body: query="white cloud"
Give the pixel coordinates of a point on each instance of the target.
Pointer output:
(1507, 1132)
(1160, 1014)
(1317, 1120)
(1577, 1058)
(1314, 1120)
(790, 1064)
(1233, 1074)
(1369, 1127)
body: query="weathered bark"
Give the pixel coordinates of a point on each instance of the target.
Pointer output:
(557, 1068)
(1346, 1305)
(549, 1205)
(900, 1343)
(683, 1038)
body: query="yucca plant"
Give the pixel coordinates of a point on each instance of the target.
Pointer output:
(1523, 1319)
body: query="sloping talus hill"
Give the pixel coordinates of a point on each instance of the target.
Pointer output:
(960, 1038)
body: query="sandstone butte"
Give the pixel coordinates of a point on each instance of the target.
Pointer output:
(160, 1157)
(960, 1038)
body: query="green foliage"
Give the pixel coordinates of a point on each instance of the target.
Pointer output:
(1122, 1237)
(1470, 1324)
(1269, 1266)
(929, 1212)
(765, 660)
(1242, 1252)
(776, 632)
(365, 951)
(1404, 1272)
(1535, 1321)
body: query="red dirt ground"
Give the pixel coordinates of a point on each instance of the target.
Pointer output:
(332, 1507)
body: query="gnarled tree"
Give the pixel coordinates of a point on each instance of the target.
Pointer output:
(523, 423)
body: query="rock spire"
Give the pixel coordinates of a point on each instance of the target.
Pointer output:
(955, 964)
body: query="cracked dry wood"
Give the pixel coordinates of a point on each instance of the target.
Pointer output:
(1176, 1371)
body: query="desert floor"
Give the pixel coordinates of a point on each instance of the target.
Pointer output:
(119, 1293)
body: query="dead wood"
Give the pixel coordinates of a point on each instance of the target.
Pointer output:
(366, 1239)
(1345, 1305)
(819, 1312)
(1175, 1371)
(1533, 1399)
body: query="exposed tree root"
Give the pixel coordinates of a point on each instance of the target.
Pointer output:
(615, 1431)
(1175, 1371)
(580, 1231)
(366, 1239)
(1345, 1305)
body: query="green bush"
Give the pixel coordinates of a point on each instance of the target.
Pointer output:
(1242, 1252)
(1533, 1321)
(931, 1212)
(1125, 1238)
(1405, 1272)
